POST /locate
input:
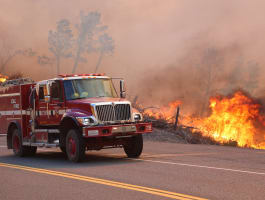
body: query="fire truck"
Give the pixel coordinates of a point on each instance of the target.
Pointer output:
(73, 112)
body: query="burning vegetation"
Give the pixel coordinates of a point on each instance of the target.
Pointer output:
(3, 78)
(234, 119)
(15, 75)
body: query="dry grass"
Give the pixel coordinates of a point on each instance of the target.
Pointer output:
(165, 131)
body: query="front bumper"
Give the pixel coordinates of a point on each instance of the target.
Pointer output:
(117, 130)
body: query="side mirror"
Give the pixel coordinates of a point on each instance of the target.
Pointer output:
(47, 99)
(122, 89)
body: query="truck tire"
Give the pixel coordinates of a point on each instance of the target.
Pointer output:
(18, 148)
(134, 146)
(75, 147)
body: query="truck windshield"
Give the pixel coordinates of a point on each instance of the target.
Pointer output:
(87, 88)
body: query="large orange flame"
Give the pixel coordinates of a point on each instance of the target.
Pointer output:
(237, 118)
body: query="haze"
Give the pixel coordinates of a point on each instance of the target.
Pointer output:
(152, 38)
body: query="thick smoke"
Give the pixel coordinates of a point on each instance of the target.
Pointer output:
(204, 71)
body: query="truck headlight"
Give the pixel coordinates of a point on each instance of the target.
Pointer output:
(137, 117)
(87, 121)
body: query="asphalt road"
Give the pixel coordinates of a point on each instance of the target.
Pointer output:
(164, 171)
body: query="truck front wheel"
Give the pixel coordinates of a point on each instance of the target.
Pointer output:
(75, 147)
(134, 146)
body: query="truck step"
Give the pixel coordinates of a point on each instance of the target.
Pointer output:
(41, 144)
(46, 131)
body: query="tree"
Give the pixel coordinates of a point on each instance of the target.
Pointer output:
(106, 46)
(87, 29)
(60, 42)
(8, 53)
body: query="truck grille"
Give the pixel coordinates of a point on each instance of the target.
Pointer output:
(117, 112)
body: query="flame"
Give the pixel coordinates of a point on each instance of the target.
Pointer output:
(237, 118)
(166, 113)
(3, 78)
(233, 119)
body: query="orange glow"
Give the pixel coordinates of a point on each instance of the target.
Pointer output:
(2, 78)
(165, 113)
(237, 118)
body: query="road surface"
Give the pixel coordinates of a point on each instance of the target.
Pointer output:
(164, 171)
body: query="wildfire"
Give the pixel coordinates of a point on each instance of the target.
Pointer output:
(237, 118)
(2, 78)
(166, 113)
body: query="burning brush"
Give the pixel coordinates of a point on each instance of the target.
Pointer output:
(3, 78)
(236, 118)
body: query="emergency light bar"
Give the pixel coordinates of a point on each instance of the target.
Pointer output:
(76, 75)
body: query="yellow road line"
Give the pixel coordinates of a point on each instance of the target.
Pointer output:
(148, 190)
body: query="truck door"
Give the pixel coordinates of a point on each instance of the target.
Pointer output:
(42, 106)
(57, 103)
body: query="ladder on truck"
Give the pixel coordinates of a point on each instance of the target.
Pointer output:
(17, 82)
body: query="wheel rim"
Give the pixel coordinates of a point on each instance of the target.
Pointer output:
(16, 143)
(72, 146)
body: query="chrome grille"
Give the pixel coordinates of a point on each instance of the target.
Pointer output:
(122, 112)
(116, 112)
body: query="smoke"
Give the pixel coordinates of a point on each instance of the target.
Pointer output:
(202, 72)
(164, 50)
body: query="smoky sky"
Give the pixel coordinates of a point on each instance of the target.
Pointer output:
(153, 40)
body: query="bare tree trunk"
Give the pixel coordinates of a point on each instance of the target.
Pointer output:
(76, 60)
(99, 61)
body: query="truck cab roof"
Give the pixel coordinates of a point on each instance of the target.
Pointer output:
(75, 77)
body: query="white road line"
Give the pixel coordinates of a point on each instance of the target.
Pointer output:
(173, 163)
(200, 166)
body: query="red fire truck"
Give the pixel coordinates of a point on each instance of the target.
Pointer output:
(73, 112)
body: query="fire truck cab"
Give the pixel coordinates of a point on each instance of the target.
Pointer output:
(73, 112)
